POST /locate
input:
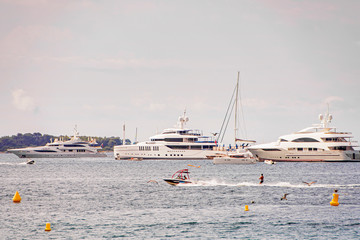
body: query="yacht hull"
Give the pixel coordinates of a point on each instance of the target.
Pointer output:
(128, 152)
(175, 182)
(324, 156)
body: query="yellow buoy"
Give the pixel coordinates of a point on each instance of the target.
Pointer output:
(17, 198)
(335, 200)
(48, 228)
(246, 208)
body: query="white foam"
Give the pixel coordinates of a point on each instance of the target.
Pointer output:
(299, 185)
(215, 182)
(212, 182)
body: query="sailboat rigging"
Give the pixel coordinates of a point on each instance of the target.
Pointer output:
(237, 154)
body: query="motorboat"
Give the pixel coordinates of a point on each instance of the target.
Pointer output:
(270, 162)
(319, 143)
(178, 143)
(180, 177)
(73, 148)
(30, 161)
(244, 157)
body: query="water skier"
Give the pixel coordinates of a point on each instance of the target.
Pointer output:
(261, 179)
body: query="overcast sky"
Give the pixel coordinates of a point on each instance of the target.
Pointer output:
(99, 64)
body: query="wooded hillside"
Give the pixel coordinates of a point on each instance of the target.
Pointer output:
(37, 139)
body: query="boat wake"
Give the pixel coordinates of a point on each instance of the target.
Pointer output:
(298, 185)
(215, 182)
(212, 182)
(13, 164)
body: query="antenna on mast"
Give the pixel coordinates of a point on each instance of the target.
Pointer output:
(326, 120)
(182, 120)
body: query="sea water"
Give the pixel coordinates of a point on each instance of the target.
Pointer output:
(103, 198)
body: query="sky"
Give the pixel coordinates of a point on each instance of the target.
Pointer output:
(102, 64)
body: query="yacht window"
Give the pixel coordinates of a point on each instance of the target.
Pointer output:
(171, 132)
(191, 139)
(178, 146)
(195, 147)
(339, 139)
(341, 148)
(44, 151)
(207, 147)
(73, 145)
(173, 139)
(283, 140)
(305, 140)
(300, 149)
(271, 149)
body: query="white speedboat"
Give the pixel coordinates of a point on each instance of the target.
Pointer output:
(73, 148)
(243, 157)
(30, 161)
(270, 162)
(319, 143)
(173, 143)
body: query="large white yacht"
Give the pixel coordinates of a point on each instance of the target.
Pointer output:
(172, 143)
(319, 143)
(73, 148)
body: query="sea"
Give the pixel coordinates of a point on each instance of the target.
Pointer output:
(104, 198)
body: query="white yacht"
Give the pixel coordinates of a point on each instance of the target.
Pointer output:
(73, 148)
(319, 143)
(172, 143)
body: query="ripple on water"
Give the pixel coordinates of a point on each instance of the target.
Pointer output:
(104, 198)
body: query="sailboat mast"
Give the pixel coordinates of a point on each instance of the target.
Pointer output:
(123, 143)
(236, 107)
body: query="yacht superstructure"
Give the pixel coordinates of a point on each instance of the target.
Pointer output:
(73, 148)
(319, 143)
(172, 143)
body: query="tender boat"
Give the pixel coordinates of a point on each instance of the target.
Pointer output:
(180, 177)
(73, 148)
(269, 162)
(177, 143)
(244, 157)
(319, 143)
(30, 161)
